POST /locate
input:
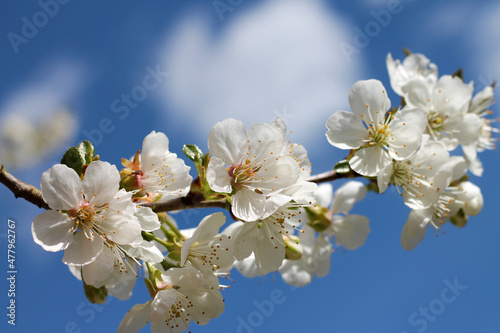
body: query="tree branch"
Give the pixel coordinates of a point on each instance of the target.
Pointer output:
(331, 176)
(182, 204)
(22, 190)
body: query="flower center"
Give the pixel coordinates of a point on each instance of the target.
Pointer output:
(435, 123)
(378, 129)
(402, 174)
(243, 173)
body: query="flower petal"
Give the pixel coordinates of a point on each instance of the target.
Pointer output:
(369, 161)
(347, 195)
(61, 187)
(101, 182)
(217, 176)
(136, 318)
(100, 269)
(345, 130)
(415, 228)
(154, 148)
(228, 141)
(83, 251)
(52, 230)
(351, 231)
(248, 205)
(368, 96)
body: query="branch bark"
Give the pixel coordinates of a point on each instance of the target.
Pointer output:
(22, 190)
(31, 194)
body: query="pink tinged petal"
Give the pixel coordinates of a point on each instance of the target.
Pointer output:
(270, 251)
(347, 195)
(368, 96)
(351, 231)
(61, 187)
(345, 130)
(415, 228)
(217, 176)
(101, 182)
(83, 251)
(228, 141)
(162, 303)
(100, 269)
(52, 230)
(469, 129)
(136, 318)
(246, 240)
(369, 161)
(265, 140)
(407, 129)
(147, 218)
(248, 205)
(154, 149)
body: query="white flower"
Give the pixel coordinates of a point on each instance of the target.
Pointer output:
(88, 215)
(162, 172)
(445, 106)
(416, 175)
(380, 138)
(249, 165)
(184, 295)
(315, 260)
(206, 249)
(414, 66)
(475, 134)
(454, 202)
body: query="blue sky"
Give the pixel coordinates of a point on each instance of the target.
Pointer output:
(254, 61)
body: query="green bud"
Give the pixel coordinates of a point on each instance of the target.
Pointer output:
(459, 219)
(319, 218)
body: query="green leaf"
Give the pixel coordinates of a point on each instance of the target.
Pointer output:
(95, 295)
(73, 159)
(342, 167)
(86, 149)
(78, 158)
(192, 152)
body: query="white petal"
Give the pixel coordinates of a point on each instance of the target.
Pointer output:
(281, 172)
(228, 141)
(147, 218)
(347, 195)
(246, 240)
(368, 96)
(101, 182)
(52, 230)
(97, 271)
(369, 161)
(270, 251)
(407, 129)
(482, 100)
(122, 289)
(351, 231)
(217, 176)
(417, 94)
(469, 130)
(154, 148)
(293, 273)
(415, 228)
(83, 251)
(451, 95)
(345, 130)
(136, 318)
(162, 303)
(145, 251)
(384, 177)
(265, 140)
(61, 187)
(324, 194)
(247, 267)
(320, 261)
(248, 205)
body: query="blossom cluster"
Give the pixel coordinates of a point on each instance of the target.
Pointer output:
(410, 147)
(110, 225)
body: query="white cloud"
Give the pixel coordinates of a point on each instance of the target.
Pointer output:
(34, 117)
(279, 58)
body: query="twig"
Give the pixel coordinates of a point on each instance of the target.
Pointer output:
(22, 190)
(331, 176)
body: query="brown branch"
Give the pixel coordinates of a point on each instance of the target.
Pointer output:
(182, 203)
(22, 190)
(331, 176)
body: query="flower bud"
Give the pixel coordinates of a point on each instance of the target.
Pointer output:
(293, 249)
(319, 218)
